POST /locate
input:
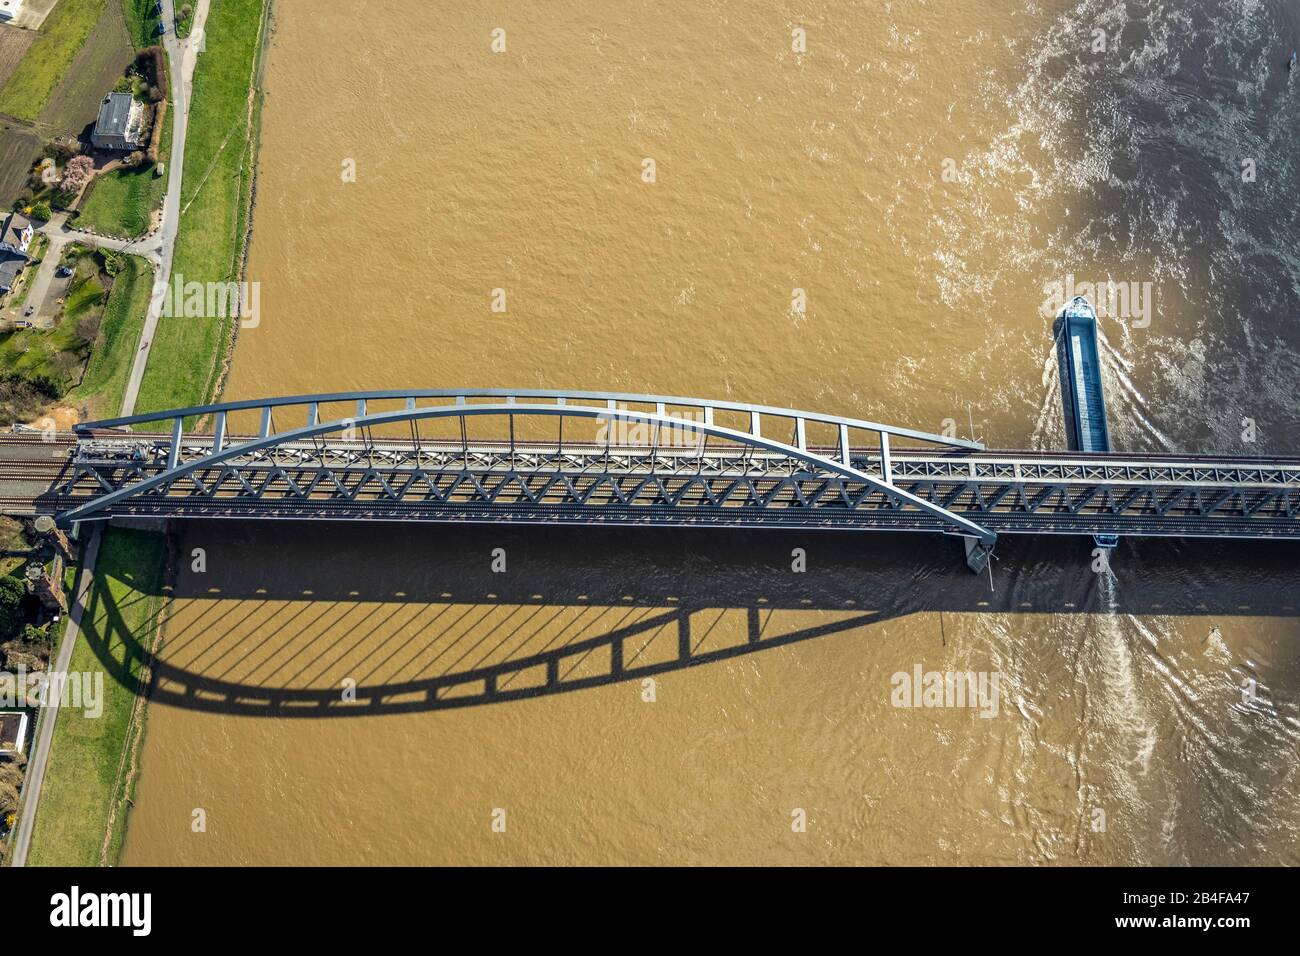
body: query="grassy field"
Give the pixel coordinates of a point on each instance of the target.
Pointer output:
(110, 362)
(185, 358)
(58, 353)
(61, 37)
(120, 202)
(88, 781)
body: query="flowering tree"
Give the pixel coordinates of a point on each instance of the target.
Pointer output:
(76, 174)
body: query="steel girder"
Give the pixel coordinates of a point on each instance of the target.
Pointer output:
(596, 485)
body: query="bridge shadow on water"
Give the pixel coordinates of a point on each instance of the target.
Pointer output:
(285, 616)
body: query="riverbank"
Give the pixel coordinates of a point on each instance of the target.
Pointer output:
(188, 358)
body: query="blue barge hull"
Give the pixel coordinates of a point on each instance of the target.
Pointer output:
(1081, 389)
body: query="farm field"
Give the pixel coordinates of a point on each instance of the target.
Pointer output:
(13, 44)
(65, 31)
(74, 102)
(19, 148)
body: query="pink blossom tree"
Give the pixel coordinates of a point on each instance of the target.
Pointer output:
(76, 174)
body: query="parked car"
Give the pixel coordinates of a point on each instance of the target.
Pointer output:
(29, 310)
(20, 324)
(63, 271)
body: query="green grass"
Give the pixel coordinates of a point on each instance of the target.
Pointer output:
(141, 22)
(185, 359)
(62, 36)
(121, 201)
(78, 372)
(110, 363)
(87, 781)
(84, 295)
(57, 353)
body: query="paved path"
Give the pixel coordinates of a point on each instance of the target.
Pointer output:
(44, 276)
(34, 776)
(183, 55)
(57, 231)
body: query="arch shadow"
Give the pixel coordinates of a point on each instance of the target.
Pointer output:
(420, 622)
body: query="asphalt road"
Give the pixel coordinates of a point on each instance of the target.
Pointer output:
(183, 55)
(39, 758)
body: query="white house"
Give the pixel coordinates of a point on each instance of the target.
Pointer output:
(118, 126)
(13, 732)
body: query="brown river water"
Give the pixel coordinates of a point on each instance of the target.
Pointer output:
(924, 172)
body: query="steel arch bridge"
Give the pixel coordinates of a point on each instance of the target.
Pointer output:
(628, 459)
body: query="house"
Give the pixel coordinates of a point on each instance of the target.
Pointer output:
(10, 266)
(118, 126)
(16, 234)
(9, 9)
(13, 732)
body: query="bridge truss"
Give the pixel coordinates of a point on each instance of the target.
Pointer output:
(648, 460)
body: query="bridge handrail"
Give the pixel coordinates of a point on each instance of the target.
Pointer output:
(510, 393)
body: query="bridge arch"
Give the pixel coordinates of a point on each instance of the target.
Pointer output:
(520, 403)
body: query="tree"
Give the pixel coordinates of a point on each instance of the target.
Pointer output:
(134, 160)
(42, 211)
(12, 618)
(111, 262)
(76, 174)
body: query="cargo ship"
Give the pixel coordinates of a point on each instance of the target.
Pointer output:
(1081, 391)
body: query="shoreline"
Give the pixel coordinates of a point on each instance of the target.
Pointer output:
(118, 824)
(265, 33)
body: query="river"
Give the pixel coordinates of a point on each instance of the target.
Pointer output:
(870, 225)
